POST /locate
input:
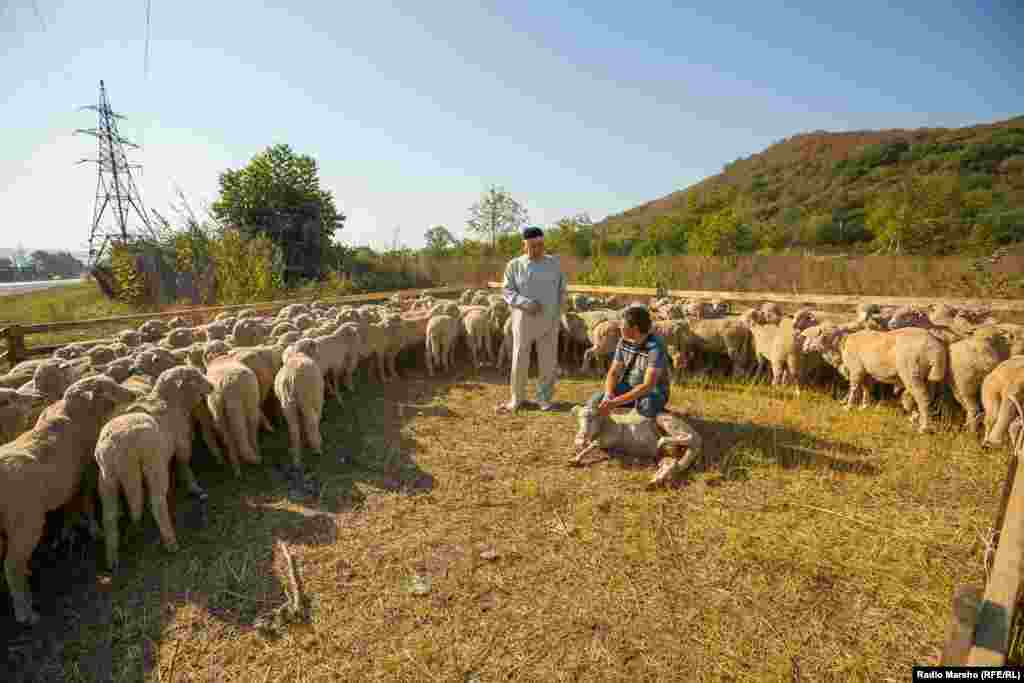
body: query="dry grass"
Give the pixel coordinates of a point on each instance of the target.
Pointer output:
(786, 273)
(810, 544)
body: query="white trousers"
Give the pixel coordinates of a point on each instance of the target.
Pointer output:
(547, 359)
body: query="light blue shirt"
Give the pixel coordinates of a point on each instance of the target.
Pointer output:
(541, 281)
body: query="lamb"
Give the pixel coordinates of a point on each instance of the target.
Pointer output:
(1004, 383)
(666, 434)
(18, 412)
(909, 316)
(337, 355)
(299, 386)
(604, 338)
(573, 340)
(140, 444)
(129, 338)
(442, 335)
(265, 361)
(477, 327)
(178, 338)
(912, 358)
(970, 361)
(20, 373)
(151, 331)
(728, 336)
(235, 409)
(41, 471)
(101, 354)
(763, 334)
(216, 330)
(247, 332)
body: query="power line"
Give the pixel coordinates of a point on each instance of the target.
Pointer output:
(39, 15)
(145, 58)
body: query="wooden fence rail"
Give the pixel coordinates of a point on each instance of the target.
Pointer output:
(1011, 305)
(15, 334)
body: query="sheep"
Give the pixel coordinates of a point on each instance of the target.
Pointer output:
(912, 358)
(265, 361)
(573, 340)
(763, 334)
(666, 434)
(467, 297)
(235, 409)
(384, 341)
(909, 316)
(287, 339)
(337, 356)
(477, 327)
(129, 338)
(283, 327)
(304, 321)
(20, 373)
(102, 354)
(41, 470)
(176, 322)
(604, 338)
(154, 361)
(152, 330)
(970, 361)
(178, 338)
(299, 386)
(140, 444)
(18, 412)
(119, 369)
(442, 334)
(728, 336)
(216, 330)
(247, 332)
(292, 311)
(1006, 381)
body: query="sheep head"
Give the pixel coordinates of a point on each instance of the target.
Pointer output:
(183, 383)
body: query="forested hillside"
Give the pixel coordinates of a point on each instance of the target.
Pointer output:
(926, 191)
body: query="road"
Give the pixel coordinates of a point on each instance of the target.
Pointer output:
(26, 287)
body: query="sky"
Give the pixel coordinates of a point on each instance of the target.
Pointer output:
(413, 109)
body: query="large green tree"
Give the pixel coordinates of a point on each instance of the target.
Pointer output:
(278, 194)
(496, 214)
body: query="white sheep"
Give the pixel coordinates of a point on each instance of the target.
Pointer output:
(442, 335)
(41, 471)
(476, 324)
(140, 444)
(235, 409)
(299, 386)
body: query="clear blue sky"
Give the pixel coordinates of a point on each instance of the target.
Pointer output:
(413, 108)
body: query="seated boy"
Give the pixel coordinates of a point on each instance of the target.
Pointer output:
(639, 374)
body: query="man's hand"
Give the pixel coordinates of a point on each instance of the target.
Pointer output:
(532, 308)
(604, 408)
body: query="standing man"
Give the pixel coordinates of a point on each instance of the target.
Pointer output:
(535, 289)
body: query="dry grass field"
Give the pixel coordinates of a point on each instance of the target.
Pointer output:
(809, 544)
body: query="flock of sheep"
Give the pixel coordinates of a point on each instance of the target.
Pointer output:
(124, 412)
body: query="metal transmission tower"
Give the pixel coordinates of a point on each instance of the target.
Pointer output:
(115, 188)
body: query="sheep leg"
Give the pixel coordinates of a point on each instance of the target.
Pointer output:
(202, 414)
(1002, 421)
(238, 427)
(157, 482)
(291, 415)
(27, 531)
(185, 473)
(919, 390)
(432, 348)
(311, 424)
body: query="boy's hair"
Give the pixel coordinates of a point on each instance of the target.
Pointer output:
(638, 317)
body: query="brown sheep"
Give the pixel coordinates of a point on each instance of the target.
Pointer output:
(41, 471)
(1006, 381)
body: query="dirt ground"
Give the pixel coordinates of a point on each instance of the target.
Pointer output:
(808, 544)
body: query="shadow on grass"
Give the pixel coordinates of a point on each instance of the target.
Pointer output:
(96, 627)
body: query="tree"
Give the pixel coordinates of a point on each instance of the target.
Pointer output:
(575, 234)
(721, 233)
(496, 214)
(439, 241)
(56, 264)
(278, 194)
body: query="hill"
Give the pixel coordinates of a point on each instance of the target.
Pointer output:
(929, 190)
